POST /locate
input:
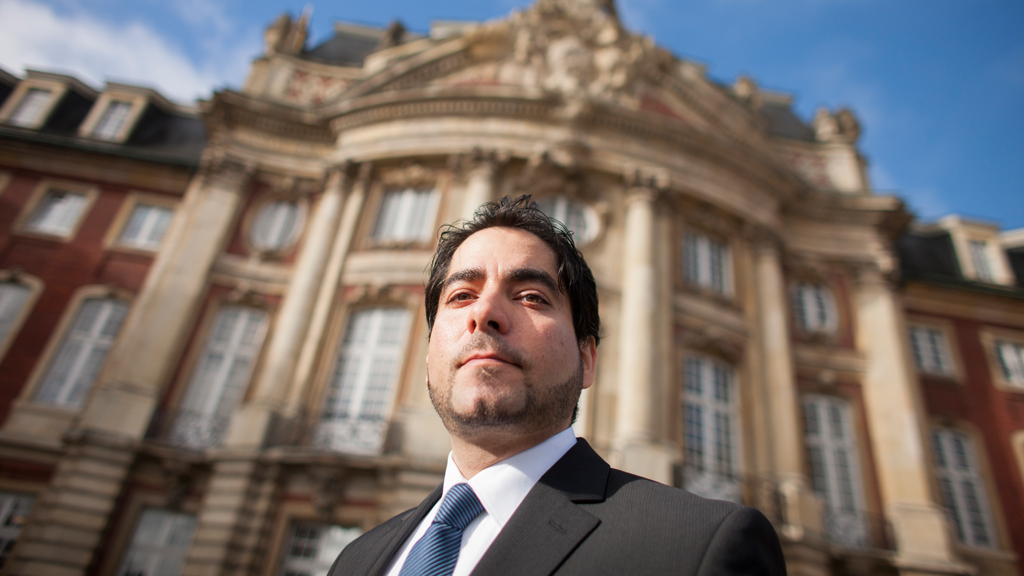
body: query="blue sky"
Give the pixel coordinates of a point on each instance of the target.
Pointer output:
(937, 84)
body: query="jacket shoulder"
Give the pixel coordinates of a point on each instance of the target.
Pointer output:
(359, 557)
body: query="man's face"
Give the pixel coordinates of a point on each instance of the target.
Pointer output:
(503, 356)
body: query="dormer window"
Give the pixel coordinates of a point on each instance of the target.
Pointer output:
(30, 110)
(979, 257)
(109, 125)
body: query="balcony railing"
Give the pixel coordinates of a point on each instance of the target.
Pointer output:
(858, 530)
(357, 436)
(753, 490)
(190, 429)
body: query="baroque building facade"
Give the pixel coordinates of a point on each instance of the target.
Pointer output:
(212, 319)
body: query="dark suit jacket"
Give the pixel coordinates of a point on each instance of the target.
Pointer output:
(585, 518)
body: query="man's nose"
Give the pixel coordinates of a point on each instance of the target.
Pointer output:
(490, 314)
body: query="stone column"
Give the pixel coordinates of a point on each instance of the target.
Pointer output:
(801, 508)
(898, 424)
(71, 516)
(327, 293)
(480, 180)
(248, 426)
(635, 446)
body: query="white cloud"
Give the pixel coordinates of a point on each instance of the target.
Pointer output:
(32, 35)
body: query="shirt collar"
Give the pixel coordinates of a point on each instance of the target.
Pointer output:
(503, 486)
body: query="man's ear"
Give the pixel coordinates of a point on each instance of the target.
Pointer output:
(588, 354)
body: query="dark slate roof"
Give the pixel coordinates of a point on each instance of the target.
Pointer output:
(7, 84)
(347, 47)
(69, 113)
(162, 132)
(1016, 256)
(928, 253)
(784, 123)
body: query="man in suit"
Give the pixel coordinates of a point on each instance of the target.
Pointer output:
(513, 332)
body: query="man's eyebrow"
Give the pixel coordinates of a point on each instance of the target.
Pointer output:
(534, 275)
(514, 275)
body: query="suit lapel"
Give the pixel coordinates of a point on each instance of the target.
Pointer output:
(398, 537)
(548, 525)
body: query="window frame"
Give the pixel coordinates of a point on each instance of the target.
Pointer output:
(728, 272)
(429, 223)
(289, 537)
(983, 485)
(36, 286)
(330, 378)
(195, 363)
(112, 240)
(858, 493)
(830, 307)
(254, 212)
(21, 91)
(130, 541)
(137, 103)
(589, 214)
(990, 340)
(16, 491)
(729, 483)
(89, 191)
(950, 352)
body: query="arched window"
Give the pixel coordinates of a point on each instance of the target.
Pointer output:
(276, 226)
(77, 362)
(579, 218)
(366, 373)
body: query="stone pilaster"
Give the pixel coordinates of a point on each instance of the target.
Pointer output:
(481, 168)
(635, 445)
(249, 425)
(898, 432)
(234, 520)
(802, 510)
(91, 474)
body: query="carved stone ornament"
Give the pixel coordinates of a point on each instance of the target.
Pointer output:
(309, 88)
(409, 176)
(177, 482)
(713, 342)
(478, 159)
(328, 488)
(581, 49)
(287, 186)
(553, 170)
(224, 169)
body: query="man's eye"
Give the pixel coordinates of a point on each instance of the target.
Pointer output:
(534, 299)
(459, 296)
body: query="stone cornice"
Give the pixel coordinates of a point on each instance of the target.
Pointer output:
(886, 213)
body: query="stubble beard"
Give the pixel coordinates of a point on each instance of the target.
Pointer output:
(545, 407)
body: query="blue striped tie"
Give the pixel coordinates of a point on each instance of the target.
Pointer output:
(436, 553)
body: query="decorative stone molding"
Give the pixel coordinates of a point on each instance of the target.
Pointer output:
(712, 341)
(383, 294)
(408, 175)
(760, 236)
(288, 186)
(329, 482)
(245, 295)
(177, 480)
(842, 126)
(478, 159)
(223, 169)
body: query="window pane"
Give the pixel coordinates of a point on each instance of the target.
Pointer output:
(962, 487)
(706, 263)
(221, 376)
(710, 433)
(979, 257)
(31, 107)
(574, 215)
(146, 226)
(13, 298)
(159, 545)
(311, 548)
(14, 511)
(80, 355)
(57, 212)
(365, 376)
(406, 215)
(112, 120)
(276, 226)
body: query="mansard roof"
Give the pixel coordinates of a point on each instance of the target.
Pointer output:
(352, 43)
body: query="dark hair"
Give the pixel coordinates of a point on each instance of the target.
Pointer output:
(575, 279)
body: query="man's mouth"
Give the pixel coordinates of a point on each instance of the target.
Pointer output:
(482, 357)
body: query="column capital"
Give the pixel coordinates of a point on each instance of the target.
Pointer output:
(478, 159)
(652, 180)
(227, 170)
(761, 237)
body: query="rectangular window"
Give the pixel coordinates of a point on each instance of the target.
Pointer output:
(14, 511)
(57, 212)
(931, 354)
(706, 263)
(310, 549)
(364, 378)
(961, 486)
(979, 258)
(30, 110)
(833, 460)
(710, 430)
(814, 308)
(406, 216)
(113, 118)
(220, 378)
(13, 298)
(159, 545)
(1011, 362)
(81, 354)
(146, 227)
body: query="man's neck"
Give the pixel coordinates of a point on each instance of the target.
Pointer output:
(483, 451)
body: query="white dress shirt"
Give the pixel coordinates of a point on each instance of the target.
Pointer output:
(501, 489)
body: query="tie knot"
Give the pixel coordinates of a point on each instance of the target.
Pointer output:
(459, 507)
